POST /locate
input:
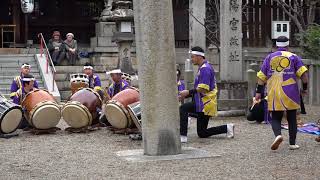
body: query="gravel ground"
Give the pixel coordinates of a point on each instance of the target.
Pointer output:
(92, 156)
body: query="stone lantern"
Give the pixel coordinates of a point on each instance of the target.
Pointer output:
(121, 12)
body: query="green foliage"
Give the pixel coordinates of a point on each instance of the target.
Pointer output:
(310, 41)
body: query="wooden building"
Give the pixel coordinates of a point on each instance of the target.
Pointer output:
(80, 16)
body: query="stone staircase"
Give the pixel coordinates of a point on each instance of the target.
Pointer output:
(10, 67)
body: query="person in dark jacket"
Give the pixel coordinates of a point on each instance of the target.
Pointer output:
(56, 48)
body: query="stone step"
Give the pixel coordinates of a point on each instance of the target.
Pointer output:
(65, 85)
(71, 69)
(16, 55)
(16, 65)
(9, 81)
(68, 69)
(79, 62)
(15, 72)
(66, 76)
(5, 77)
(16, 58)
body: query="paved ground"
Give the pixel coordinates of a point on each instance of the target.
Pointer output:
(92, 156)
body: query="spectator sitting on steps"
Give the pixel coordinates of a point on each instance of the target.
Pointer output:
(56, 48)
(71, 48)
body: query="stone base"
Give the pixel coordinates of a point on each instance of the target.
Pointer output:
(187, 153)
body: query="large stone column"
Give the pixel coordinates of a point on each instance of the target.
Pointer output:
(157, 76)
(197, 32)
(231, 40)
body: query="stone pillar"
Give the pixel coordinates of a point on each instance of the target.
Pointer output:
(231, 40)
(157, 76)
(125, 63)
(197, 32)
(188, 75)
(252, 79)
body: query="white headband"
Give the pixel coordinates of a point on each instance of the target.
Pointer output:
(87, 67)
(28, 79)
(26, 65)
(115, 71)
(282, 44)
(196, 53)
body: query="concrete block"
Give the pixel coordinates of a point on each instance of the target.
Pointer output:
(137, 155)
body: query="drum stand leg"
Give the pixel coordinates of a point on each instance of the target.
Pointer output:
(124, 131)
(7, 136)
(83, 129)
(44, 131)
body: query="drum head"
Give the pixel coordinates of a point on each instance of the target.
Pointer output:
(46, 116)
(11, 121)
(75, 115)
(115, 115)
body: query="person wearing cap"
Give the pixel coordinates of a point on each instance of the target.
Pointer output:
(71, 48)
(118, 84)
(56, 48)
(94, 80)
(280, 71)
(17, 81)
(204, 102)
(28, 86)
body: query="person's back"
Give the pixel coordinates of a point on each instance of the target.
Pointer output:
(282, 68)
(280, 71)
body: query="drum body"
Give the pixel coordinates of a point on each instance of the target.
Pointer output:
(42, 110)
(116, 109)
(81, 110)
(10, 116)
(135, 114)
(78, 81)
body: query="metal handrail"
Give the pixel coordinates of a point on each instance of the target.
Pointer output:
(48, 57)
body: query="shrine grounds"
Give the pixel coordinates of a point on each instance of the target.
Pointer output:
(93, 156)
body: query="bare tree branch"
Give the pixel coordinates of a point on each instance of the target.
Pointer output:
(296, 14)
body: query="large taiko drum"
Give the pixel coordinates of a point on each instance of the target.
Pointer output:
(81, 110)
(116, 109)
(10, 116)
(42, 110)
(78, 81)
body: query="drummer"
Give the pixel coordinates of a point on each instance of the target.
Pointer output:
(17, 81)
(118, 84)
(28, 85)
(94, 80)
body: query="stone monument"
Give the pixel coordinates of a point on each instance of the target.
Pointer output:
(231, 40)
(111, 46)
(157, 77)
(124, 37)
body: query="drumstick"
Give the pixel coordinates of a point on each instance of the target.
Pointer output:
(254, 102)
